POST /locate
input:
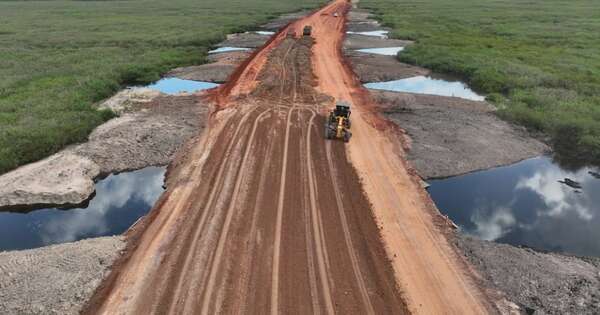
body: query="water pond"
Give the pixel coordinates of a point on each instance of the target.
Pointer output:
(527, 203)
(388, 51)
(380, 33)
(120, 200)
(428, 85)
(227, 49)
(175, 85)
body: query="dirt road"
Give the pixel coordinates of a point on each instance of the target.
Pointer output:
(262, 215)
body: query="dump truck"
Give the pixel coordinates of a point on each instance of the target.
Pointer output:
(307, 30)
(338, 123)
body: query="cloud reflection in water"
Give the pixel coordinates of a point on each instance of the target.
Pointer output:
(428, 85)
(119, 201)
(524, 204)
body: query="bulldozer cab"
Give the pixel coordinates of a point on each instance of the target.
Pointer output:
(342, 109)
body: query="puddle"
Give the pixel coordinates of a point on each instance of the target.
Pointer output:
(428, 85)
(226, 49)
(175, 85)
(388, 51)
(119, 202)
(380, 33)
(525, 204)
(265, 33)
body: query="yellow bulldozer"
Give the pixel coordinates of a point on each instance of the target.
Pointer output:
(338, 123)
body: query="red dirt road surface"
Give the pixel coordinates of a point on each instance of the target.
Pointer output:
(263, 215)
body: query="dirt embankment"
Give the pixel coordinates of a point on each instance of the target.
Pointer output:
(268, 206)
(378, 68)
(450, 136)
(148, 132)
(446, 136)
(219, 68)
(540, 283)
(55, 279)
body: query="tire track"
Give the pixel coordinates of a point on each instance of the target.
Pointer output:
(279, 220)
(318, 226)
(200, 227)
(226, 225)
(347, 236)
(314, 291)
(245, 284)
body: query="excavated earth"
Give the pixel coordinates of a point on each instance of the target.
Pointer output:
(451, 136)
(446, 136)
(55, 279)
(219, 68)
(378, 68)
(148, 132)
(260, 234)
(59, 279)
(540, 283)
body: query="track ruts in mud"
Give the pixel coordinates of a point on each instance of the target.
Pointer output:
(276, 222)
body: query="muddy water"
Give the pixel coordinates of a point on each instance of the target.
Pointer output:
(120, 200)
(525, 204)
(227, 49)
(175, 86)
(388, 51)
(428, 85)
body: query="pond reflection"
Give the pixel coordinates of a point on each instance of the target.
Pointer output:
(120, 200)
(525, 204)
(380, 33)
(227, 49)
(428, 85)
(269, 33)
(388, 51)
(175, 86)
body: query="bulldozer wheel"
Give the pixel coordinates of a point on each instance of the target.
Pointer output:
(347, 136)
(327, 132)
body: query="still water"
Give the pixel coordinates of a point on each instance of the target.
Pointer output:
(525, 204)
(380, 33)
(227, 49)
(428, 85)
(120, 200)
(388, 51)
(175, 86)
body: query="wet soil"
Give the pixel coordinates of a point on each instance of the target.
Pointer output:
(56, 279)
(356, 41)
(147, 133)
(245, 40)
(379, 68)
(538, 282)
(219, 68)
(273, 181)
(449, 136)
(283, 20)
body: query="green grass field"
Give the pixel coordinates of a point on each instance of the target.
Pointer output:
(538, 60)
(59, 57)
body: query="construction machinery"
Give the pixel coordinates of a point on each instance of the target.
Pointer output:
(338, 123)
(307, 30)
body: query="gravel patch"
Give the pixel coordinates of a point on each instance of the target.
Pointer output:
(379, 68)
(450, 136)
(55, 279)
(540, 283)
